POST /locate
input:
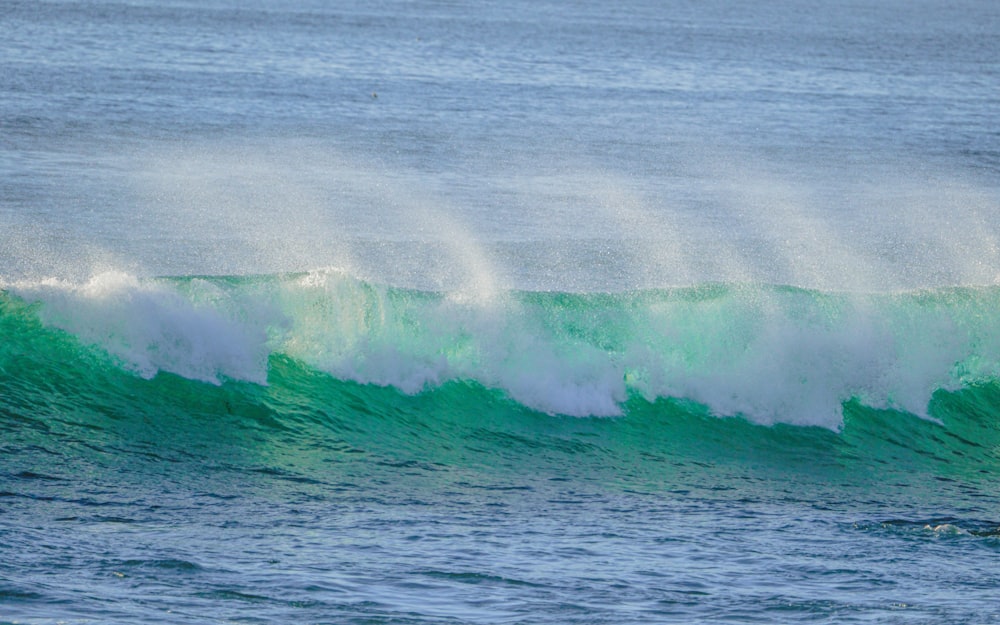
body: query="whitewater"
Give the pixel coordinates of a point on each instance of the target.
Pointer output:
(768, 354)
(660, 312)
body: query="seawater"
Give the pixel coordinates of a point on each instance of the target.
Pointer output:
(499, 312)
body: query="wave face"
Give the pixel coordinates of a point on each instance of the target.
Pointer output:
(769, 354)
(314, 444)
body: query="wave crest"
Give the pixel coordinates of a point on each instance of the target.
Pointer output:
(771, 354)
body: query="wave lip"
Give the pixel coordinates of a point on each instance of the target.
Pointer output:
(771, 354)
(194, 327)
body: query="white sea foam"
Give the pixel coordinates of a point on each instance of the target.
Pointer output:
(204, 334)
(771, 355)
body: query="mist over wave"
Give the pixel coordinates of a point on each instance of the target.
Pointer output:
(567, 286)
(707, 214)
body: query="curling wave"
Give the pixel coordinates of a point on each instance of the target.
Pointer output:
(770, 354)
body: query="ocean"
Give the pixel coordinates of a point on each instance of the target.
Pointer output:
(476, 312)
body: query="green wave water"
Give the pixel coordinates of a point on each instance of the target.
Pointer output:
(905, 379)
(314, 447)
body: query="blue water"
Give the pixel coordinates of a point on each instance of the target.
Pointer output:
(527, 312)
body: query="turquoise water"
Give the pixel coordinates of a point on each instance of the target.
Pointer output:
(368, 462)
(333, 312)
